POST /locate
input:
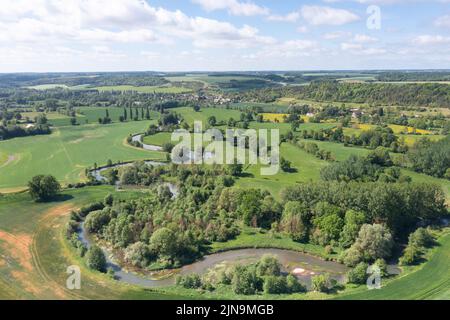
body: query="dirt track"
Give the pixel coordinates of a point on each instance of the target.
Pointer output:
(21, 255)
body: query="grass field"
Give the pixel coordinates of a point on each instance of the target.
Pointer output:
(308, 168)
(431, 281)
(92, 114)
(48, 115)
(54, 118)
(189, 115)
(34, 255)
(410, 140)
(68, 151)
(208, 79)
(359, 79)
(250, 238)
(3, 157)
(145, 89)
(286, 127)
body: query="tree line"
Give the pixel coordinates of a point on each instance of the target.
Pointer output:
(429, 95)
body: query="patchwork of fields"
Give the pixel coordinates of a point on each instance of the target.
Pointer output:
(33, 249)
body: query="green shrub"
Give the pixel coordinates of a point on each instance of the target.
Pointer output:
(358, 275)
(293, 285)
(96, 259)
(43, 187)
(268, 265)
(71, 228)
(411, 255)
(421, 238)
(108, 201)
(245, 281)
(381, 263)
(322, 283)
(275, 285)
(189, 281)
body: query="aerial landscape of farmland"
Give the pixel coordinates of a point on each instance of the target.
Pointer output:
(222, 184)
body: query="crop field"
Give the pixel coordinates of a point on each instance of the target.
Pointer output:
(410, 138)
(208, 79)
(145, 89)
(396, 128)
(68, 151)
(275, 117)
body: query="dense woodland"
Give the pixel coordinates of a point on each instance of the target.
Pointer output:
(430, 95)
(10, 129)
(432, 158)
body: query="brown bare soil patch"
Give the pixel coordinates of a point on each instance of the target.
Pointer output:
(18, 247)
(27, 282)
(58, 211)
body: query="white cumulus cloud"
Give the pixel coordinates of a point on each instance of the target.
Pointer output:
(234, 7)
(323, 15)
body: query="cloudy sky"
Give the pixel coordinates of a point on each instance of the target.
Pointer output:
(217, 35)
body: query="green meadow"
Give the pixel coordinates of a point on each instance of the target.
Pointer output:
(68, 151)
(36, 268)
(92, 114)
(39, 227)
(430, 281)
(189, 115)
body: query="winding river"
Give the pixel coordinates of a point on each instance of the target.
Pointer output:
(305, 266)
(289, 259)
(138, 138)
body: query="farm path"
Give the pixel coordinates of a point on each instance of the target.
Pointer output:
(21, 256)
(10, 159)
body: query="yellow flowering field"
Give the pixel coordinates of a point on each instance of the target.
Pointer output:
(275, 117)
(279, 117)
(396, 128)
